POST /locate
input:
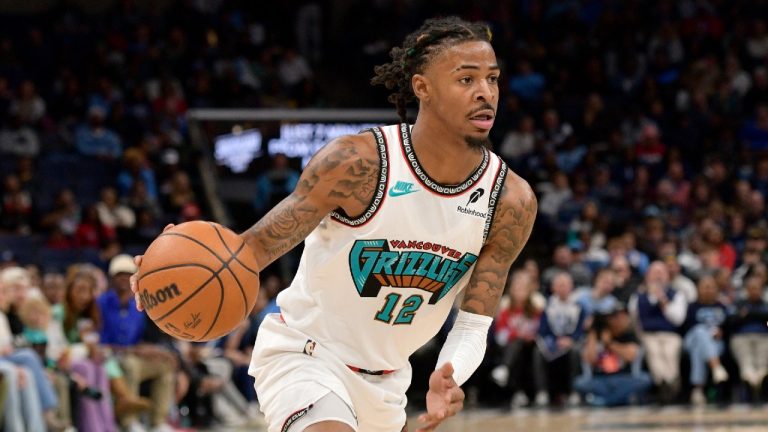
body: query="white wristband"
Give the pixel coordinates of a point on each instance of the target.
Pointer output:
(465, 345)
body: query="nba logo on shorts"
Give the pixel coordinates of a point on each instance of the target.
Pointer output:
(309, 347)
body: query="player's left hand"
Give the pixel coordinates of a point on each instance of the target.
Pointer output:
(444, 398)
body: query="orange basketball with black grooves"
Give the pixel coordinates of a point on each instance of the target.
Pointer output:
(198, 281)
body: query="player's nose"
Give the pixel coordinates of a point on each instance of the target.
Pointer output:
(484, 92)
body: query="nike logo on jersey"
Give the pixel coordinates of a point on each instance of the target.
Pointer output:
(401, 188)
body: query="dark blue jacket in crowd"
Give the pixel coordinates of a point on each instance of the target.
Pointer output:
(560, 318)
(710, 315)
(749, 317)
(651, 316)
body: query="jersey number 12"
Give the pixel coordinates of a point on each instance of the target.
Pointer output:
(407, 311)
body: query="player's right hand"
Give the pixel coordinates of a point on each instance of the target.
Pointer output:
(135, 277)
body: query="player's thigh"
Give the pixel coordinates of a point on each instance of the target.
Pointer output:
(329, 426)
(328, 414)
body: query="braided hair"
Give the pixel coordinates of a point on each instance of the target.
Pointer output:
(418, 49)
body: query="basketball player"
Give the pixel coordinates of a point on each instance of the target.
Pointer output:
(397, 221)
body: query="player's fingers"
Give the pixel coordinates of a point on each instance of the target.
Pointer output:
(137, 260)
(139, 305)
(447, 370)
(167, 227)
(432, 417)
(457, 395)
(455, 407)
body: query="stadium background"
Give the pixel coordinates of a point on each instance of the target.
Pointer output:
(642, 126)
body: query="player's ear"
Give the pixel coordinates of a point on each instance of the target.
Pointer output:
(420, 85)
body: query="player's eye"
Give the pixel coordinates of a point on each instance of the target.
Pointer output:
(466, 80)
(493, 79)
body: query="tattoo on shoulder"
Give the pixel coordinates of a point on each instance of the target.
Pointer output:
(339, 175)
(515, 216)
(358, 182)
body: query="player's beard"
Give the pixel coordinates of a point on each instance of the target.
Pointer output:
(479, 142)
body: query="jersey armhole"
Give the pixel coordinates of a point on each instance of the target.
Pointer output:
(381, 188)
(493, 200)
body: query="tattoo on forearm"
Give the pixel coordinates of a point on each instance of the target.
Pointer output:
(336, 177)
(509, 234)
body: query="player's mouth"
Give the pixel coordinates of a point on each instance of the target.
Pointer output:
(483, 119)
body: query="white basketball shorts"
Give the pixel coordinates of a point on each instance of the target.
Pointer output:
(292, 372)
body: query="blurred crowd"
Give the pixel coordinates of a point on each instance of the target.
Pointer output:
(642, 127)
(76, 353)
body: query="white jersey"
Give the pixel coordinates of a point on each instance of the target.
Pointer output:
(375, 288)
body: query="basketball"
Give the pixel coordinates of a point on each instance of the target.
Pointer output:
(198, 281)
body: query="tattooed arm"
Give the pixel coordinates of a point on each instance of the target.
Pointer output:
(342, 175)
(465, 345)
(512, 224)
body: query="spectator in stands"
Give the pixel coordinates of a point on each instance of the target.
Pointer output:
(229, 406)
(759, 178)
(18, 139)
(6, 96)
(554, 132)
(275, 184)
(136, 168)
(572, 207)
(65, 215)
(238, 347)
(16, 210)
(758, 93)
(17, 288)
(44, 336)
(659, 312)
(28, 106)
(139, 200)
(612, 362)
(14, 283)
(81, 323)
(94, 139)
(598, 299)
(703, 328)
(749, 340)
(3, 396)
(122, 330)
(104, 96)
(170, 102)
(180, 198)
(515, 330)
(563, 261)
(22, 408)
(681, 186)
(605, 190)
(678, 281)
(527, 84)
(560, 331)
(755, 133)
(627, 279)
(204, 385)
(294, 71)
(553, 195)
(92, 233)
(650, 150)
(53, 288)
(519, 143)
(112, 213)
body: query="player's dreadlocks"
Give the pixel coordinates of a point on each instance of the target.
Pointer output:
(418, 49)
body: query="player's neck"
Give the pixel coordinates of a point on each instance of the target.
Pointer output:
(446, 157)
